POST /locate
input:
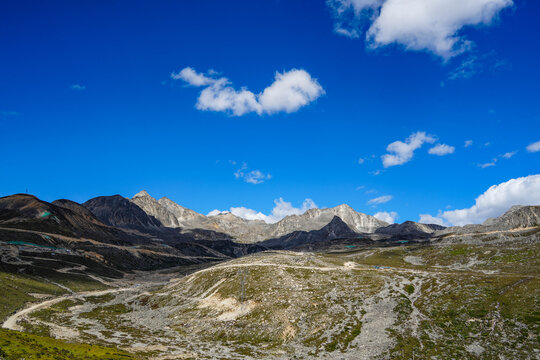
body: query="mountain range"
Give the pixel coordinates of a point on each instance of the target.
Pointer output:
(142, 233)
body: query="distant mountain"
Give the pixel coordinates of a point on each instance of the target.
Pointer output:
(171, 214)
(335, 229)
(314, 219)
(154, 209)
(409, 230)
(516, 217)
(62, 217)
(120, 212)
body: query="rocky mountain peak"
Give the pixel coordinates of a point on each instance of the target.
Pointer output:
(517, 216)
(142, 193)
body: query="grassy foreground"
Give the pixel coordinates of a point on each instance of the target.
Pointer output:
(16, 290)
(15, 345)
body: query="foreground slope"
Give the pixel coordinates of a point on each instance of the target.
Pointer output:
(426, 301)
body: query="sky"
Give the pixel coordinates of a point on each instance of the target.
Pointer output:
(409, 109)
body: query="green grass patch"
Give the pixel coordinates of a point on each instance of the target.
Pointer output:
(15, 290)
(15, 345)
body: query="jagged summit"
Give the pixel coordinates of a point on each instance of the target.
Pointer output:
(171, 214)
(141, 193)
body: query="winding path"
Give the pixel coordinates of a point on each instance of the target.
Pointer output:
(11, 322)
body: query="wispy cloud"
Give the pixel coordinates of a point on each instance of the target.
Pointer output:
(253, 176)
(380, 200)
(533, 147)
(77, 87)
(489, 164)
(468, 143)
(493, 162)
(476, 64)
(466, 70)
(4, 115)
(441, 150)
(509, 154)
(290, 91)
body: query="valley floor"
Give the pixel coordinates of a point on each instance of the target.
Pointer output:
(423, 301)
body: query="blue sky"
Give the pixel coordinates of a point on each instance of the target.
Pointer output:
(88, 105)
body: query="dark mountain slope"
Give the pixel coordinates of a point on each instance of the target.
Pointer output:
(335, 229)
(63, 218)
(409, 230)
(120, 212)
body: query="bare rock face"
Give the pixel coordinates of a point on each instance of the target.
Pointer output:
(185, 217)
(516, 217)
(171, 214)
(315, 219)
(153, 208)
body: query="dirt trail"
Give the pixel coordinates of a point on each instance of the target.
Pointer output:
(11, 322)
(347, 267)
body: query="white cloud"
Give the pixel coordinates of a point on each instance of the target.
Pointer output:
(215, 212)
(428, 219)
(509, 154)
(534, 147)
(281, 209)
(468, 143)
(361, 161)
(289, 92)
(419, 25)
(489, 164)
(380, 200)
(77, 87)
(253, 176)
(404, 151)
(441, 149)
(496, 200)
(192, 77)
(389, 217)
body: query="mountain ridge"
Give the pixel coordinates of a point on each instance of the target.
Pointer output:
(172, 214)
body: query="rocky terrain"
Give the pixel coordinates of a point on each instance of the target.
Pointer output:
(118, 278)
(250, 231)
